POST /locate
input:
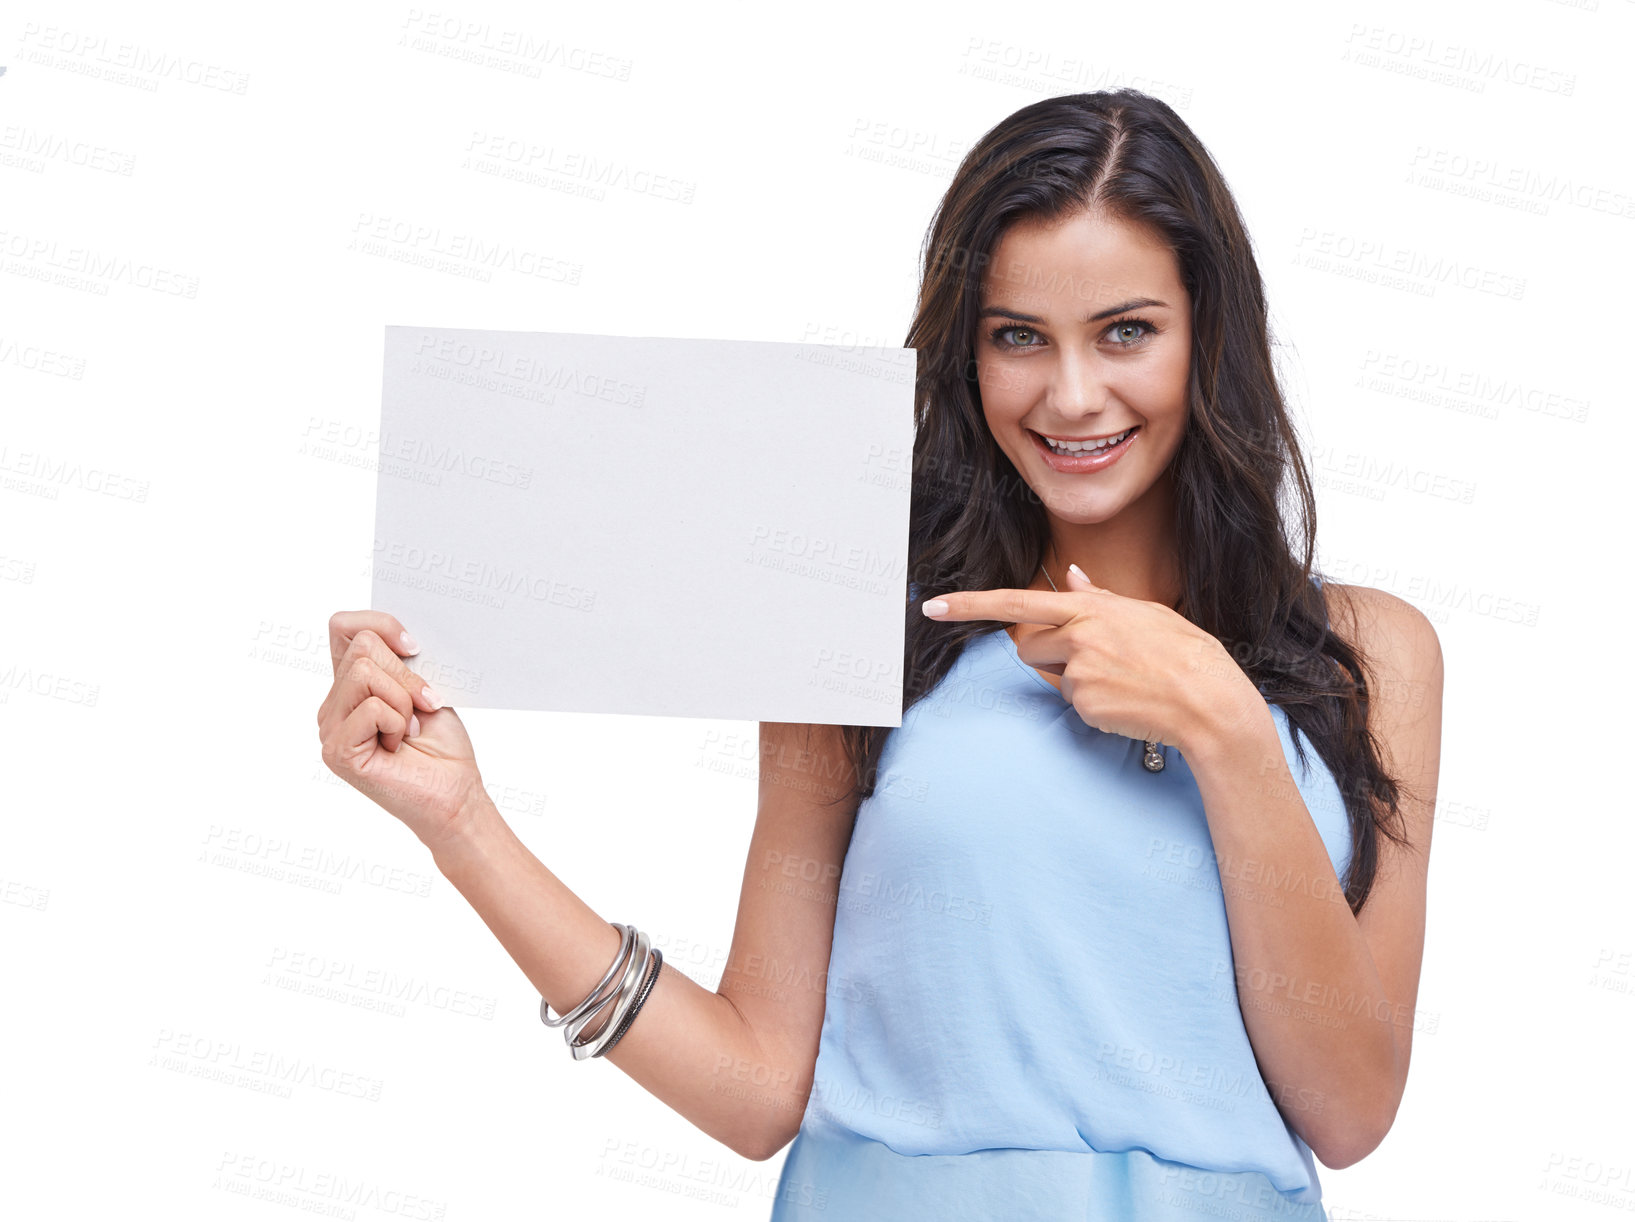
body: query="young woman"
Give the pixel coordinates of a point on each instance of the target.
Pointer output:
(1125, 920)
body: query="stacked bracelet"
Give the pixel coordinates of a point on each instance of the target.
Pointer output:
(635, 967)
(626, 934)
(635, 1006)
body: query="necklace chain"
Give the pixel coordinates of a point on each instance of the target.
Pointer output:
(1046, 572)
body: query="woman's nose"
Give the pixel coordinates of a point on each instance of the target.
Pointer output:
(1077, 386)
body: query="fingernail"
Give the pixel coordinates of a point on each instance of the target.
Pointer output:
(936, 606)
(414, 725)
(1075, 568)
(431, 698)
(410, 645)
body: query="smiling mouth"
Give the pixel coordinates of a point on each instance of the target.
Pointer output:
(1083, 449)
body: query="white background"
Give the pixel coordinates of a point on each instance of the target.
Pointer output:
(186, 499)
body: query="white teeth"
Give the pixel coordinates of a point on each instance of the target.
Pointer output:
(1085, 447)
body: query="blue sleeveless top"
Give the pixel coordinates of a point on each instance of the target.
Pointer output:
(1031, 1005)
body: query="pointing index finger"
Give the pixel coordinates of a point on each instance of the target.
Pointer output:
(1008, 606)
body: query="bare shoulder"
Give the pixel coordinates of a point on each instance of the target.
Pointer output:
(1402, 657)
(1395, 637)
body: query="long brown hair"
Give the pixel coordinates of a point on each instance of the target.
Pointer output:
(975, 524)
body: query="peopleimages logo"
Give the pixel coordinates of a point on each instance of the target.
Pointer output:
(123, 63)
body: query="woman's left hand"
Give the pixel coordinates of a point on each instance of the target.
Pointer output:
(1128, 666)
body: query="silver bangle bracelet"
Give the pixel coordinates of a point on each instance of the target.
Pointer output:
(636, 1006)
(570, 1033)
(627, 935)
(635, 972)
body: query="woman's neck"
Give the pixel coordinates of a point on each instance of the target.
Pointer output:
(1133, 554)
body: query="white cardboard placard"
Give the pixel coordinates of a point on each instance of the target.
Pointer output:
(672, 527)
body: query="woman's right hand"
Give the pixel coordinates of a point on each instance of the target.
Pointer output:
(385, 737)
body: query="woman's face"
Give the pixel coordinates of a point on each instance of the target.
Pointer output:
(1084, 333)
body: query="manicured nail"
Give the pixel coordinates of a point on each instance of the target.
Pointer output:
(431, 698)
(936, 606)
(414, 726)
(410, 645)
(1076, 569)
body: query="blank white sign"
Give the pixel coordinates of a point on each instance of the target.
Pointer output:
(672, 527)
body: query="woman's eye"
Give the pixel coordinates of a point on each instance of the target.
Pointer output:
(1126, 333)
(1027, 333)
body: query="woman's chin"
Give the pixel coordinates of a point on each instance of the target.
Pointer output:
(1079, 508)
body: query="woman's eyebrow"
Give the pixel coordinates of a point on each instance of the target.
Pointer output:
(1134, 303)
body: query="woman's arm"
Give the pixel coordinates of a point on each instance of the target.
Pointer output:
(1328, 997)
(737, 1062)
